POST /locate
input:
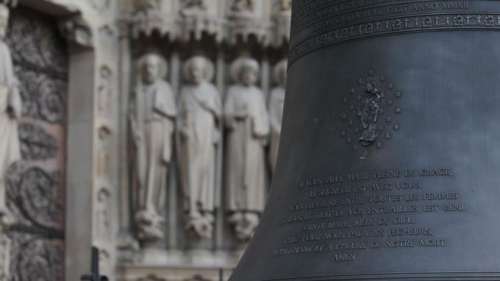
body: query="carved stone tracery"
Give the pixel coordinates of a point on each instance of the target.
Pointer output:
(201, 16)
(249, 17)
(154, 15)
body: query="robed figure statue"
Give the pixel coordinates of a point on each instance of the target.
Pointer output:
(200, 111)
(247, 125)
(152, 118)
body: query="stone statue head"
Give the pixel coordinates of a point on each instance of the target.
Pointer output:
(198, 69)
(245, 71)
(4, 20)
(280, 72)
(152, 68)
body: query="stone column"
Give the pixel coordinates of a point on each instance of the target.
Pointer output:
(92, 169)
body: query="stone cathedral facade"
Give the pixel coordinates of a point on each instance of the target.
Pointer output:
(146, 128)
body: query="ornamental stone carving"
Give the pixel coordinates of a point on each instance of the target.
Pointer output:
(5, 249)
(276, 105)
(103, 231)
(247, 125)
(105, 91)
(152, 120)
(199, 135)
(154, 15)
(243, 7)
(77, 31)
(34, 258)
(36, 186)
(249, 17)
(36, 142)
(10, 112)
(198, 16)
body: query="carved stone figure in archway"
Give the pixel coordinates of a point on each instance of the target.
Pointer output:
(276, 104)
(10, 112)
(200, 110)
(247, 123)
(153, 116)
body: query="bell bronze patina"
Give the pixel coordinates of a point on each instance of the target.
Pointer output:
(389, 164)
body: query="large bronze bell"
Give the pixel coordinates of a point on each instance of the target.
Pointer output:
(389, 167)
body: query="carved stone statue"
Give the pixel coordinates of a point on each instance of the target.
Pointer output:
(247, 124)
(200, 110)
(10, 112)
(276, 104)
(153, 116)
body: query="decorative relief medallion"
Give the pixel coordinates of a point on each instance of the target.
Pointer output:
(371, 115)
(36, 197)
(36, 258)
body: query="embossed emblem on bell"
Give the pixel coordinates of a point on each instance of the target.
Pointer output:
(372, 113)
(389, 159)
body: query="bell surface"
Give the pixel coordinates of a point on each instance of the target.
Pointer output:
(389, 167)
